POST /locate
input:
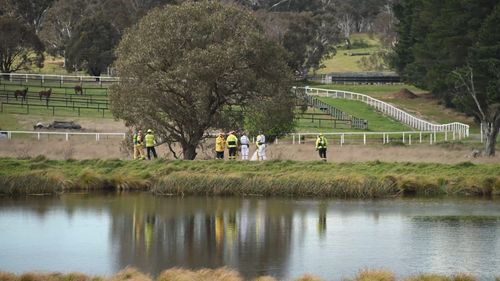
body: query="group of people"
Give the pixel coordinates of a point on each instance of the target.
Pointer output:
(144, 141)
(232, 143)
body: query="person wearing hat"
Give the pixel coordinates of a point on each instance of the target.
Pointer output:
(219, 146)
(321, 144)
(138, 140)
(150, 144)
(232, 145)
(245, 143)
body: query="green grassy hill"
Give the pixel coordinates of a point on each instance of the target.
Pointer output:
(344, 61)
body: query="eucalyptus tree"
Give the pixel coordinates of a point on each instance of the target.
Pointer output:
(20, 47)
(184, 69)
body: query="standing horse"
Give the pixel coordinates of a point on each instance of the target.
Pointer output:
(21, 93)
(79, 89)
(45, 94)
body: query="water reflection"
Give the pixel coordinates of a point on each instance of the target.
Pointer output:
(283, 238)
(251, 235)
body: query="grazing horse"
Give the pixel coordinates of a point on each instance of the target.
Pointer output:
(21, 93)
(78, 90)
(45, 94)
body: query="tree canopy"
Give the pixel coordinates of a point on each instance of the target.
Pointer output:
(92, 47)
(186, 70)
(452, 48)
(19, 46)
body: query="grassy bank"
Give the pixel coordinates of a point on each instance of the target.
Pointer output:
(220, 274)
(272, 178)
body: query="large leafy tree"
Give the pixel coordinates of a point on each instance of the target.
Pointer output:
(479, 81)
(185, 68)
(30, 12)
(308, 30)
(449, 47)
(20, 47)
(92, 46)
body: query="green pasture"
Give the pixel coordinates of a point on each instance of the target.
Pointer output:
(89, 89)
(423, 106)
(377, 122)
(342, 61)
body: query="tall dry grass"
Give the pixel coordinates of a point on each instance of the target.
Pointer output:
(375, 275)
(219, 274)
(436, 277)
(274, 184)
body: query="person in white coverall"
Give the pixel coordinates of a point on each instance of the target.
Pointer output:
(261, 147)
(245, 143)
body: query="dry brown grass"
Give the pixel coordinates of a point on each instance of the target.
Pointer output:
(219, 274)
(265, 278)
(87, 148)
(375, 275)
(436, 277)
(309, 277)
(130, 274)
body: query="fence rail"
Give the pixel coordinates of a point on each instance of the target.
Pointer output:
(61, 79)
(391, 111)
(408, 137)
(39, 134)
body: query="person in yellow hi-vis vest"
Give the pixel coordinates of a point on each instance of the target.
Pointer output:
(232, 145)
(219, 146)
(321, 144)
(138, 145)
(150, 144)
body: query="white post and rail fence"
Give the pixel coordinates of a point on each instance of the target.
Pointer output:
(39, 135)
(391, 111)
(57, 79)
(364, 138)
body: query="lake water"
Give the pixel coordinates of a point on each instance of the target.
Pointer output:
(101, 234)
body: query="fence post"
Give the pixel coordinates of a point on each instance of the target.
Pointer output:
(364, 139)
(420, 137)
(299, 138)
(67, 136)
(403, 137)
(430, 138)
(383, 138)
(38, 135)
(9, 135)
(293, 139)
(409, 139)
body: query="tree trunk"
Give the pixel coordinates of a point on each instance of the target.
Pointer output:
(189, 151)
(490, 132)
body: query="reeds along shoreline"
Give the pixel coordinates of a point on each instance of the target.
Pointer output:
(220, 274)
(272, 178)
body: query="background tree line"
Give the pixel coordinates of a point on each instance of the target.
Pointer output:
(86, 32)
(452, 48)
